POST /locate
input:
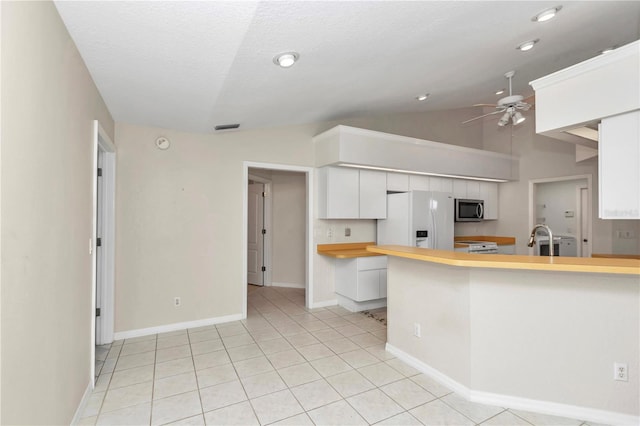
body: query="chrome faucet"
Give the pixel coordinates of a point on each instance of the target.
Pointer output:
(532, 237)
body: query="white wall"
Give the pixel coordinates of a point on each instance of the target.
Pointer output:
(49, 102)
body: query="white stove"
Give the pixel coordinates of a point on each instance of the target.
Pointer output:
(480, 247)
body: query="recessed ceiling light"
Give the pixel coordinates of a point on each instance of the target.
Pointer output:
(499, 92)
(287, 59)
(546, 14)
(423, 97)
(527, 45)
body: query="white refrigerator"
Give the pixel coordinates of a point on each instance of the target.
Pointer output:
(418, 219)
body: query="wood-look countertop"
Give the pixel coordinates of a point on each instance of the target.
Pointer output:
(616, 256)
(501, 241)
(346, 250)
(501, 261)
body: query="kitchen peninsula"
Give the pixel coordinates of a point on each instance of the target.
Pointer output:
(526, 332)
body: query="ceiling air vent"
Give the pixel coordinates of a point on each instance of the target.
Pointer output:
(226, 126)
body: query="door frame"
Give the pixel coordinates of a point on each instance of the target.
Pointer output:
(533, 197)
(268, 225)
(103, 144)
(308, 171)
(579, 236)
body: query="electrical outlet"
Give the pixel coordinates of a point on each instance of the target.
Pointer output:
(176, 301)
(620, 372)
(416, 329)
(347, 232)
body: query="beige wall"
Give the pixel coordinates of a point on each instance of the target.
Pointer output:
(49, 103)
(536, 335)
(179, 219)
(289, 220)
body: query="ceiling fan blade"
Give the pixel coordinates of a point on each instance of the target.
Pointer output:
(485, 105)
(481, 116)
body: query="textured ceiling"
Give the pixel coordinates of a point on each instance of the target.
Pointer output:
(192, 65)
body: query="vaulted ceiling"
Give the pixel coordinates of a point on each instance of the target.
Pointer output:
(193, 65)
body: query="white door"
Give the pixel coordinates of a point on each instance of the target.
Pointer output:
(255, 236)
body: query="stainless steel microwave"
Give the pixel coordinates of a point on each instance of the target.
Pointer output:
(469, 210)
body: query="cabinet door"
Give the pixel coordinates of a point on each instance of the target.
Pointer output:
(346, 275)
(489, 193)
(619, 166)
(440, 184)
(459, 188)
(373, 194)
(338, 196)
(368, 285)
(398, 182)
(418, 183)
(473, 190)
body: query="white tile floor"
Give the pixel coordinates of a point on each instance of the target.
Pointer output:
(282, 365)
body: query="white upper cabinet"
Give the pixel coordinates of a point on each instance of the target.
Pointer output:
(440, 184)
(397, 182)
(348, 193)
(418, 183)
(489, 193)
(338, 193)
(373, 194)
(473, 190)
(619, 166)
(459, 188)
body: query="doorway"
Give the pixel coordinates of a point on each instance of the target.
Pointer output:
(305, 252)
(565, 205)
(102, 244)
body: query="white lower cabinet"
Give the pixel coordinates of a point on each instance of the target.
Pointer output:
(362, 278)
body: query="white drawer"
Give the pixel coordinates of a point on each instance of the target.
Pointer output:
(372, 262)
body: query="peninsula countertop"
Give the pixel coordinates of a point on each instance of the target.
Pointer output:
(499, 261)
(346, 250)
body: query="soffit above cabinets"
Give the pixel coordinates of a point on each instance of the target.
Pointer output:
(583, 94)
(353, 147)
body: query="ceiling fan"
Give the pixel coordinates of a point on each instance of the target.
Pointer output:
(509, 106)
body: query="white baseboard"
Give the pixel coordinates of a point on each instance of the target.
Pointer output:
(288, 285)
(514, 402)
(436, 375)
(324, 304)
(83, 404)
(129, 334)
(353, 306)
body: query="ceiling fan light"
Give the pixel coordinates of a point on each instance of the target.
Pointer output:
(546, 14)
(504, 119)
(423, 97)
(517, 118)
